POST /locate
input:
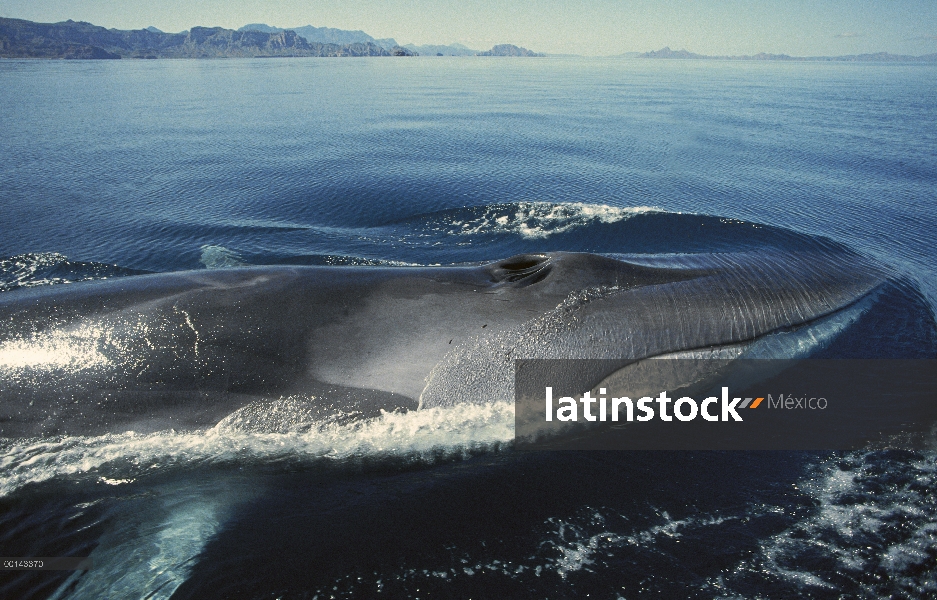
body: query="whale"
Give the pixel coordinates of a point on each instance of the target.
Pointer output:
(186, 350)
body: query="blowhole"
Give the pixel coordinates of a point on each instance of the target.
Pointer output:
(524, 269)
(522, 262)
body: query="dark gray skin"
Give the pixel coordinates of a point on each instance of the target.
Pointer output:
(184, 350)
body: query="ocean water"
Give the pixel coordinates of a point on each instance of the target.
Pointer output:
(118, 168)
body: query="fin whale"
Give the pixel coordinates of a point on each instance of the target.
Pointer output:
(184, 350)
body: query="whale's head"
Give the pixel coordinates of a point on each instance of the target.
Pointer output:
(765, 303)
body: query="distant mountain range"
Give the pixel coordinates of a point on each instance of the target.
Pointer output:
(75, 39)
(326, 35)
(71, 39)
(876, 57)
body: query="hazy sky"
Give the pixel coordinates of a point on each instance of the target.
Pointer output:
(593, 27)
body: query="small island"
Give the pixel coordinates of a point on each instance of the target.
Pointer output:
(667, 53)
(509, 50)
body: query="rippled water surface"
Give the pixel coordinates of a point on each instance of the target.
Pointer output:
(117, 168)
(141, 164)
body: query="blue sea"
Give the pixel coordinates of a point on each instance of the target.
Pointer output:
(119, 168)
